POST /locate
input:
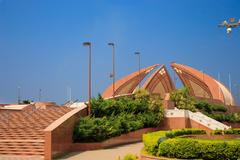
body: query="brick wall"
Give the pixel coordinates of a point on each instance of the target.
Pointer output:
(58, 136)
(131, 137)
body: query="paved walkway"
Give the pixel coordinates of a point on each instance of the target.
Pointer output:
(106, 154)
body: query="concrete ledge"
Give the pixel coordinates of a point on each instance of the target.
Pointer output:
(131, 137)
(62, 119)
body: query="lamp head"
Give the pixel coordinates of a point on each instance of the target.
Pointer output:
(111, 44)
(86, 43)
(137, 53)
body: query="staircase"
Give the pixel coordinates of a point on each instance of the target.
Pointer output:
(21, 132)
(206, 121)
(197, 117)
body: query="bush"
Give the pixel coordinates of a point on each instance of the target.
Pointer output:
(114, 117)
(209, 108)
(203, 105)
(150, 140)
(178, 148)
(182, 99)
(233, 118)
(173, 134)
(219, 108)
(204, 149)
(130, 157)
(235, 131)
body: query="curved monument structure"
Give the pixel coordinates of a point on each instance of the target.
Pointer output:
(127, 84)
(202, 85)
(159, 82)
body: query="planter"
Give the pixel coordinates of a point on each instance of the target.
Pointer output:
(135, 136)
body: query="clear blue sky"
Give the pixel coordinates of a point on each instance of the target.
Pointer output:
(41, 42)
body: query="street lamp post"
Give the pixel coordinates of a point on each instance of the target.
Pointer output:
(40, 95)
(139, 78)
(19, 97)
(88, 44)
(113, 68)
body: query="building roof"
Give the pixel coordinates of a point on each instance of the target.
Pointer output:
(127, 84)
(159, 82)
(202, 85)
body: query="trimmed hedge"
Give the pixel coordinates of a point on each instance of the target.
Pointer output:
(151, 140)
(176, 133)
(187, 148)
(235, 131)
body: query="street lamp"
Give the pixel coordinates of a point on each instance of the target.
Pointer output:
(113, 68)
(139, 78)
(19, 96)
(88, 44)
(40, 95)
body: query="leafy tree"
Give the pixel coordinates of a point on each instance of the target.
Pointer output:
(182, 99)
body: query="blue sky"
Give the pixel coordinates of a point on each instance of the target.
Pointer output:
(41, 42)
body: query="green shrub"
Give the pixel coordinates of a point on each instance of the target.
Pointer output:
(176, 133)
(113, 117)
(178, 148)
(130, 157)
(203, 105)
(150, 141)
(182, 99)
(209, 108)
(219, 108)
(204, 149)
(233, 117)
(235, 131)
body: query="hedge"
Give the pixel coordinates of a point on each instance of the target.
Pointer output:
(175, 133)
(187, 148)
(151, 140)
(209, 108)
(232, 117)
(235, 131)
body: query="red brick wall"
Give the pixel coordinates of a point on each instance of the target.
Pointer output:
(59, 140)
(174, 123)
(181, 123)
(134, 136)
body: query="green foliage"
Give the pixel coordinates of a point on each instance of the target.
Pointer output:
(178, 148)
(130, 157)
(233, 117)
(27, 101)
(204, 149)
(219, 108)
(113, 117)
(176, 133)
(150, 140)
(182, 99)
(235, 131)
(209, 108)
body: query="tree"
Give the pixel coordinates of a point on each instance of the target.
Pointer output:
(182, 99)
